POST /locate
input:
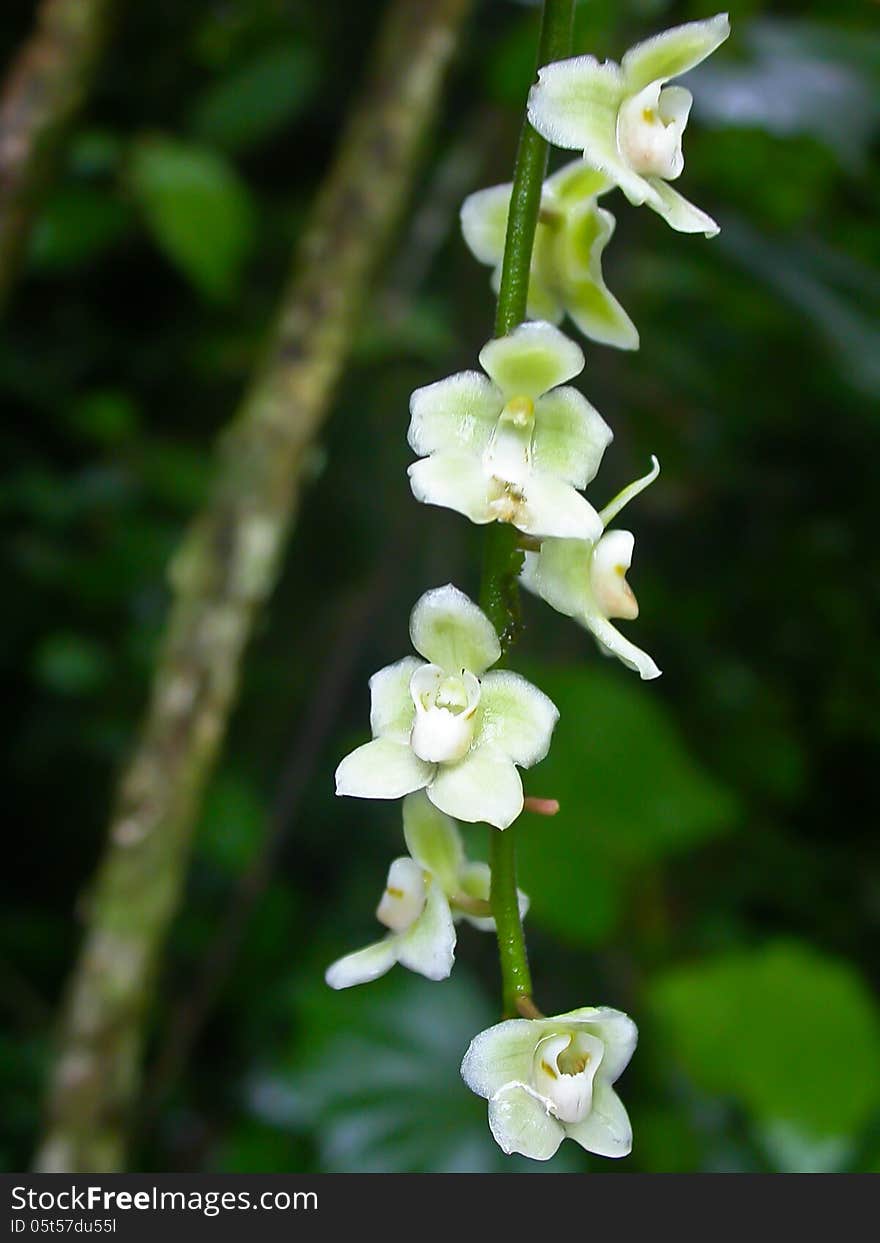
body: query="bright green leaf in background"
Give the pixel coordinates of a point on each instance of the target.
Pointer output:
(197, 208)
(256, 101)
(790, 1034)
(629, 793)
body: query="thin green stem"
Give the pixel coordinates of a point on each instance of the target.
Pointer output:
(516, 979)
(554, 43)
(499, 594)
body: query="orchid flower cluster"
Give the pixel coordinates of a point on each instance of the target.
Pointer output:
(515, 443)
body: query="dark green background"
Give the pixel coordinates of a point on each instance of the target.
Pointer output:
(714, 870)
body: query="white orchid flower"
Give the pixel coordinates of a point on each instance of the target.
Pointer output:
(513, 447)
(624, 118)
(445, 725)
(566, 270)
(426, 894)
(551, 1079)
(587, 581)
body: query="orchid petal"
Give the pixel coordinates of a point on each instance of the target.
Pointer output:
(449, 630)
(516, 717)
(531, 359)
(382, 769)
(485, 785)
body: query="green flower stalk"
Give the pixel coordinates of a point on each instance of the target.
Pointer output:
(511, 448)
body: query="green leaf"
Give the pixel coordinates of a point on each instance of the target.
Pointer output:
(257, 100)
(789, 1033)
(71, 664)
(199, 211)
(75, 226)
(106, 417)
(629, 791)
(234, 822)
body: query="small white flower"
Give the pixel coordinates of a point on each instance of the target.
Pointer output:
(445, 725)
(514, 447)
(566, 269)
(426, 894)
(627, 122)
(551, 1079)
(587, 581)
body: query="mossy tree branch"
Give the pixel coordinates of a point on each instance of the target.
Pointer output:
(221, 576)
(43, 91)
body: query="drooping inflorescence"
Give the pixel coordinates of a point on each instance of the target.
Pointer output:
(515, 444)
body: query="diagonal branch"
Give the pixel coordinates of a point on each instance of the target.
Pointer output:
(221, 576)
(44, 90)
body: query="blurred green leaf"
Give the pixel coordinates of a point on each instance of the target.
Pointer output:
(629, 792)
(71, 664)
(106, 417)
(789, 1033)
(93, 152)
(77, 223)
(257, 100)
(233, 821)
(176, 473)
(198, 210)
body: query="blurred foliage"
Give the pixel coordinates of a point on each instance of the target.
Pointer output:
(714, 868)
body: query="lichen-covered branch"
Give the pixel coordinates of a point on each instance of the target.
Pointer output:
(220, 577)
(44, 90)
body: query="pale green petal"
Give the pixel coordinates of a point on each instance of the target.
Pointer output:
(433, 840)
(587, 231)
(475, 881)
(574, 104)
(615, 1029)
(596, 313)
(484, 222)
(429, 945)
(674, 52)
(448, 629)
(554, 509)
(459, 412)
(500, 1055)
(606, 1130)
(543, 303)
(519, 1122)
(574, 183)
(382, 769)
(560, 574)
(452, 481)
(516, 717)
(530, 360)
(589, 302)
(678, 213)
(483, 786)
(363, 965)
(613, 508)
(613, 643)
(570, 436)
(391, 704)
